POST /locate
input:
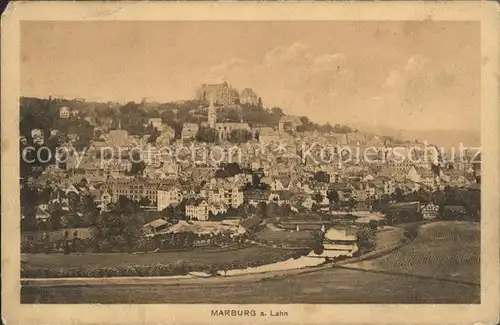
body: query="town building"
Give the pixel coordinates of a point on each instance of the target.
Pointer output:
(430, 211)
(102, 198)
(64, 112)
(166, 136)
(212, 114)
(225, 193)
(116, 165)
(197, 209)
(155, 227)
(189, 130)
(267, 134)
(338, 138)
(223, 130)
(167, 196)
(118, 138)
(340, 241)
(355, 138)
(134, 189)
(289, 123)
(41, 215)
(155, 122)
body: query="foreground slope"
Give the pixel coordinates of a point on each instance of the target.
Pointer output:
(445, 249)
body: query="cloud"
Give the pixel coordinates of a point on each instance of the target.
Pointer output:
(232, 64)
(398, 77)
(295, 53)
(222, 71)
(330, 61)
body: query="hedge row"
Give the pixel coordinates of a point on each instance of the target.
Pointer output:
(158, 269)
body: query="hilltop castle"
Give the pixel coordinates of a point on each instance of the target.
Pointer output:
(222, 94)
(225, 95)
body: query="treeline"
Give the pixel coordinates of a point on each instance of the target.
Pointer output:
(309, 126)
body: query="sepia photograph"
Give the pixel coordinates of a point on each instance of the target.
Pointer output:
(241, 161)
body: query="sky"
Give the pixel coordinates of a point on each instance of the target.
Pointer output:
(399, 74)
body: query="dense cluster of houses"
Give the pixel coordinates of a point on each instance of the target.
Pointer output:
(273, 168)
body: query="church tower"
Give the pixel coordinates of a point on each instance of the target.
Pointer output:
(212, 114)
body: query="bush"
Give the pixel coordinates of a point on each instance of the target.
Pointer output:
(366, 239)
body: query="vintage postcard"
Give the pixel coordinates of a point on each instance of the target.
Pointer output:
(250, 163)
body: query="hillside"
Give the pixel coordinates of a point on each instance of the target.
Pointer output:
(44, 114)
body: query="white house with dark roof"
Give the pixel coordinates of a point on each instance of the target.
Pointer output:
(64, 112)
(430, 211)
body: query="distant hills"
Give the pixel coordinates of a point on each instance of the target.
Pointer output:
(441, 138)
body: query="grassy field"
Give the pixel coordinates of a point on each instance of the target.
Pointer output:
(58, 261)
(445, 249)
(326, 286)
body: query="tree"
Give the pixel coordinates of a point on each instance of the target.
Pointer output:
(366, 239)
(341, 129)
(286, 210)
(89, 209)
(438, 197)
(318, 197)
(398, 195)
(144, 202)
(138, 164)
(333, 196)
(221, 173)
(322, 177)
(305, 120)
(206, 134)
(233, 168)
(277, 111)
(153, 135)
(316, 243)
(169, 212)
(121, 228)
(55, 217)
(261, 208)
(326, 128)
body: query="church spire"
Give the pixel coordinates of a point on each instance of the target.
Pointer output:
(212, 114)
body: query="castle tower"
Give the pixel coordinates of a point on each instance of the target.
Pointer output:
(212, 114)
